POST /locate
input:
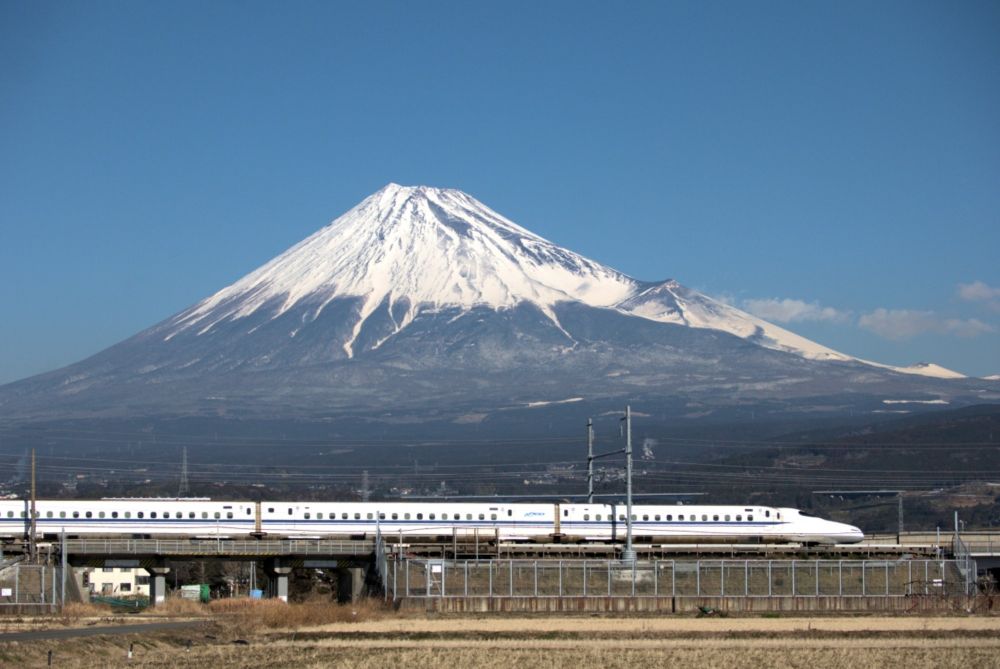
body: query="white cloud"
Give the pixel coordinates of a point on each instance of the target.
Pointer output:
(977, 291)
(899, 324)
(792, 311)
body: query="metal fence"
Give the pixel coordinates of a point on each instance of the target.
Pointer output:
(422, 578)
(31, 587)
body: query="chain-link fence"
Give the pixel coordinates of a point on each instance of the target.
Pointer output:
(30, 587)
(409, 578)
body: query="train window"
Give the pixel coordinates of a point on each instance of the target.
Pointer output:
(191, 514)
(406, 516)
(48, 514)
(509, 513)
(657, 516)
(381, 516)
(715, 517)
(670, 517)
(727, 517)
(307, 515)
(767, 514)
(62, 514)
(89, 514)
(289, 511)
(395, 516)
(586, 516)
(704, 517)
(750, 519)
(635, 517)
(420, 516)
(357, 516)
(128, 514)
(468, 516)
(229, 514)
(739, 517)
(621, 517)
(482, 517)
(152, 514)
(597, 517)
(319, 515)
(779, 516)
(138, 514)
(100, 515)
(493, 516)
(179, 514)
(344, 516)
(565, 513)
(76, 514)
(218, 515)
(645, 516)
(432, 516)
(204, 514)
(270, 509)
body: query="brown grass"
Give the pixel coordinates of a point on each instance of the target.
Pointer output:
(252, 615)
(111, 652)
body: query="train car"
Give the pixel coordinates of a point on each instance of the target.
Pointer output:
(703, 524)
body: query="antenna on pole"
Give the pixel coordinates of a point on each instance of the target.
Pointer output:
(182, 489)
(590, 461)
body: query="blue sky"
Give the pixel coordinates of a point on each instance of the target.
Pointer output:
(833, 166)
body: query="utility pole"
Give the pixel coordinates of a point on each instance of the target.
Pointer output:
(31, 512)
(182, 490)
(629, 554)
(899, 497)
(590, 461)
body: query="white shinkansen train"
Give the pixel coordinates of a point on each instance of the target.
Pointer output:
(505, 522)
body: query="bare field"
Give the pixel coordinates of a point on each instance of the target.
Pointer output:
(374, 638)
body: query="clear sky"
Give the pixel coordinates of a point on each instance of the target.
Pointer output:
(834, 167)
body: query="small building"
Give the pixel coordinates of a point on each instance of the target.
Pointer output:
(116, 581)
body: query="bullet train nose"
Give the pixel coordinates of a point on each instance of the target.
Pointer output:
(854, 535)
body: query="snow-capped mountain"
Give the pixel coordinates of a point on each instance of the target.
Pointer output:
(419, 298)
(420, 249)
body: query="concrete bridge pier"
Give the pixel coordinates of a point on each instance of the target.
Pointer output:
(350, 584)
(277, 578)
(157, 585)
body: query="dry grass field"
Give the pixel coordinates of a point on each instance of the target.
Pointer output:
(271, 634)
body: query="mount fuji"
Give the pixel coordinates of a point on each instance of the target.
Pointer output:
(422, 304)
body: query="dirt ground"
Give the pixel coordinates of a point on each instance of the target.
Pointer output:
(552, 643)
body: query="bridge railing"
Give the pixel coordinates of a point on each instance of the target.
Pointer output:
(254, 547)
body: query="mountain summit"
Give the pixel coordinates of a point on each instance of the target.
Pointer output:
(410, 250)
(421, 298)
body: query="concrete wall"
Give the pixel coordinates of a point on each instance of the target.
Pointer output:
(687, 605)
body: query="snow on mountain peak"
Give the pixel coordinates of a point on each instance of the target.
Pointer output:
(417, 249)
(431, 247)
